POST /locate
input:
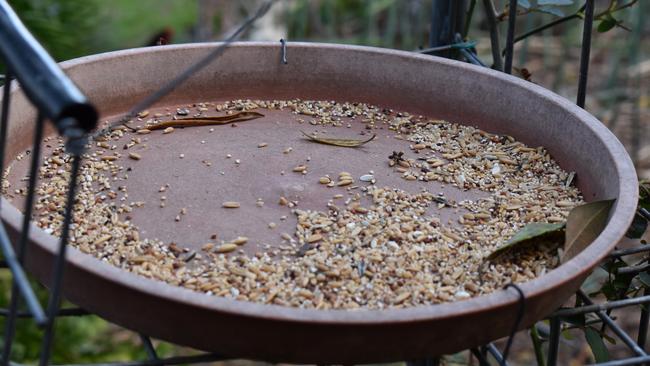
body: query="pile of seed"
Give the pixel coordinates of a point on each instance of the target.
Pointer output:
(388, 253)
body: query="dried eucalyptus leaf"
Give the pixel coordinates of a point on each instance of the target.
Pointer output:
(338, 142)
(207, 121)
(583, 226)
(529, 235)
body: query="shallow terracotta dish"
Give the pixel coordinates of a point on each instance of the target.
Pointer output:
(427, 85)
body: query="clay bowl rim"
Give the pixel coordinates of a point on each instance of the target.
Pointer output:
(620, 218)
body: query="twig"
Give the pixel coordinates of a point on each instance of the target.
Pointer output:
(577, 15)
(468, 17)
(490, 14)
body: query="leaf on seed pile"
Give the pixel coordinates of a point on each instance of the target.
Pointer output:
(529, 235)
(338, 142)
(207, 121)
(583, 226)
(597, 345)
(637, 228)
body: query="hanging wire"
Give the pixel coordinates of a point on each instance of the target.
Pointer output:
(187, 73)
(520, 314)
(283, 56)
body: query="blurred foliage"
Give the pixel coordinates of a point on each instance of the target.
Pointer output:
(65, 27)
(81, 339)
(388, 23)
(73, 28)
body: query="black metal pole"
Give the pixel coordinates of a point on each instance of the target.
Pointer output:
(554, 341)
(510, 37)
(59, 265)
(643, 321)
(585, 53)
(43, 81)
(4, 119)
(446, 20)
(148, 347)
(615, 328)
(24, 236)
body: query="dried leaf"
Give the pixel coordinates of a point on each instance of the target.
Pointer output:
(207, 121)
(339, 142)
(530, 234)
(584, 224)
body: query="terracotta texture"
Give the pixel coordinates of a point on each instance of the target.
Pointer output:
(420, 84)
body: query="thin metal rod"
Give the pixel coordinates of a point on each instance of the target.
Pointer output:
(4, 120)
(148, 347)
(554, 342)
(633, 269)
(601, 307)
(468, 54)
(615, 328)
(482, 361)
(490, 15)
(55, 289)
(19, 276)
(210, 357)
(10, 325)
(510, 37)
(627, 362)
(585, 53)
(624, 252)
(492, 349)
(643, 322)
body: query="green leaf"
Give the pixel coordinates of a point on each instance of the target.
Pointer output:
(597, 345)
(637, 228)
(530, 234)
(555, 2)
(583, 226)
(617, 284)
(606, 24)
(524, 4)
(537, 345)
(551, 10)
(595, 281)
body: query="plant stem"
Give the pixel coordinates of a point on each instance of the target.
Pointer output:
(490, 14)
(537, 345)
(468, 18)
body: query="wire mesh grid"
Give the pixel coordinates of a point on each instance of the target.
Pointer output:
(59, 101)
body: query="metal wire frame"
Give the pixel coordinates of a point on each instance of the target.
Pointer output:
(22, 290)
